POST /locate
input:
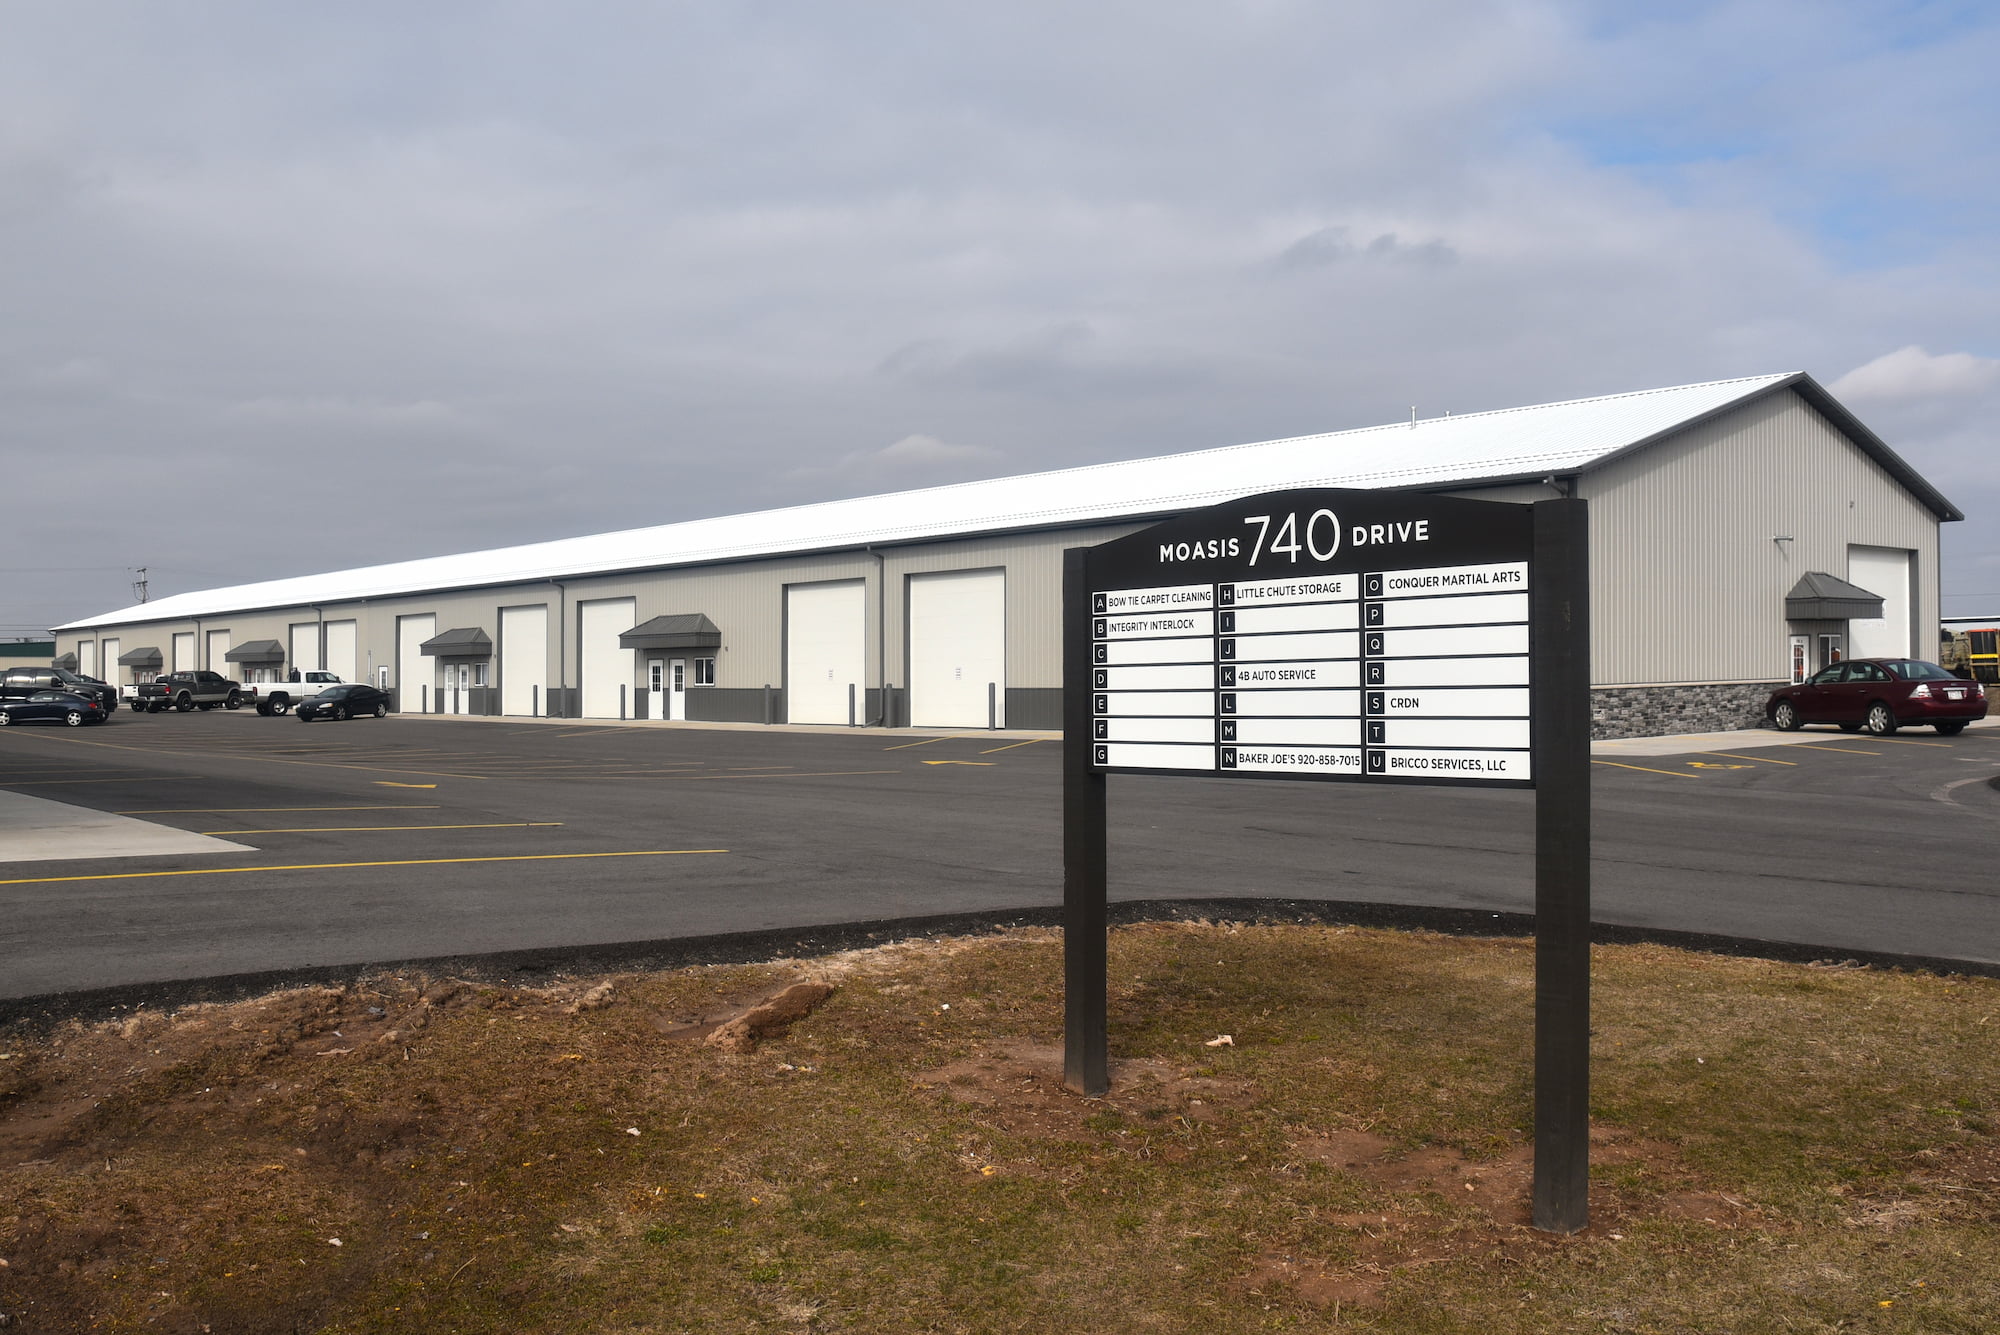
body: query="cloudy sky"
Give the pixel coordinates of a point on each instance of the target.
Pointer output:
(535, 270)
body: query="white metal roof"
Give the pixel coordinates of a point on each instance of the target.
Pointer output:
(1552, 438)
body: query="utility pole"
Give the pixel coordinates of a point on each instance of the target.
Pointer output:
(139, 585)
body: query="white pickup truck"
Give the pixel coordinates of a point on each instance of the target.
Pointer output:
(277, 697)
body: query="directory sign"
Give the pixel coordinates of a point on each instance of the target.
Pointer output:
(1317, 634)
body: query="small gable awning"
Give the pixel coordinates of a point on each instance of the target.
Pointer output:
(147, 657)
(67, 662)
(464, 642)
(250, 651)
(1819, 596)
(685, 630)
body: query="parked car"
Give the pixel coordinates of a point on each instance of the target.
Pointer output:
(51, 707)
(344, 702)
(187, 690)
(18, 683)
(1881, 695)
(275, 697)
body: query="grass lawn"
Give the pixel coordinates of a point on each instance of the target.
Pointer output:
(1777, 1148)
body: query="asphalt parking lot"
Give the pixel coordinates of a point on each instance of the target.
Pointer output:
(419, 838)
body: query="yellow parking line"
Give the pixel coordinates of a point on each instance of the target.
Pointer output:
(1848, 750)
(825, 774)
(1011, 745)
(1673, 772)
(904, 746)
(1907, 741)
(1762, 760)
(333, 866)
(376, 829)
(231, 811)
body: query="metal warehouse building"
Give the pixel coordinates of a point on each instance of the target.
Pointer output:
(1743, 532)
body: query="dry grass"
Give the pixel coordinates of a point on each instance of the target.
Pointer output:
(1780, 1149)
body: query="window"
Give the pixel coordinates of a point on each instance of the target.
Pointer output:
(479, 674)
(704, 672)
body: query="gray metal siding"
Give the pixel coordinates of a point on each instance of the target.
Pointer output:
(1687, 582)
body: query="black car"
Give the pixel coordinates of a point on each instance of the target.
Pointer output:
(343, 702)
(18, 683)
(65, 707)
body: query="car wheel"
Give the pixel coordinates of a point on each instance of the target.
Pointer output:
(1785, 715)
(381, 710)
(280, 705)
(1881, 721)
(340, 713)
(235, 701)
(264, 708)
(5, 718)
(74, 718)
(1952, 729)
(184, 703)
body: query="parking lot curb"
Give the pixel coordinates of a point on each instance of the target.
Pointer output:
(538, 966)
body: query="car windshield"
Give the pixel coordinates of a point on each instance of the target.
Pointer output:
(334, 693)
(1913, 669)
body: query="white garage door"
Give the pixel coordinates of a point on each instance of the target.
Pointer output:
(605, 667)
(958, 648)
(86, 658)
(108, 653)
(218, 653)
(184, 652)
(413, 671)
(826, 650)
(340, 651)
(1885, 572)
(524, 658)
(305, 646)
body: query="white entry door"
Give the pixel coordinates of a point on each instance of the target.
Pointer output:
(656, 688)
(677, 689)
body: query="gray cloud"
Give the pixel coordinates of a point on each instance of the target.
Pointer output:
(553, 272)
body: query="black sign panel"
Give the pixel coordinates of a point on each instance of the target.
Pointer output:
(1322, 634)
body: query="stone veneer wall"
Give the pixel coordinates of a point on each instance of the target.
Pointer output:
(1660, 711)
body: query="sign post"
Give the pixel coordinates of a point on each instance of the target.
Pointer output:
(1560, 598)
(1345, 636)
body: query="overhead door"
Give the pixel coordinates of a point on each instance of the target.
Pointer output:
(524, 658)
(218, 652)
(340, 651)
(826, 651)
(605, 666)
(107, 654)
(1884, 572)
(305, 646)
(184, 652)
(413, 671)
(958, 648)
(86, 658)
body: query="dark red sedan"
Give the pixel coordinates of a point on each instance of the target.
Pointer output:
(1881, 695)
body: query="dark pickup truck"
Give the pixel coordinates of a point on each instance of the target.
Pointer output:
(185, 691)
